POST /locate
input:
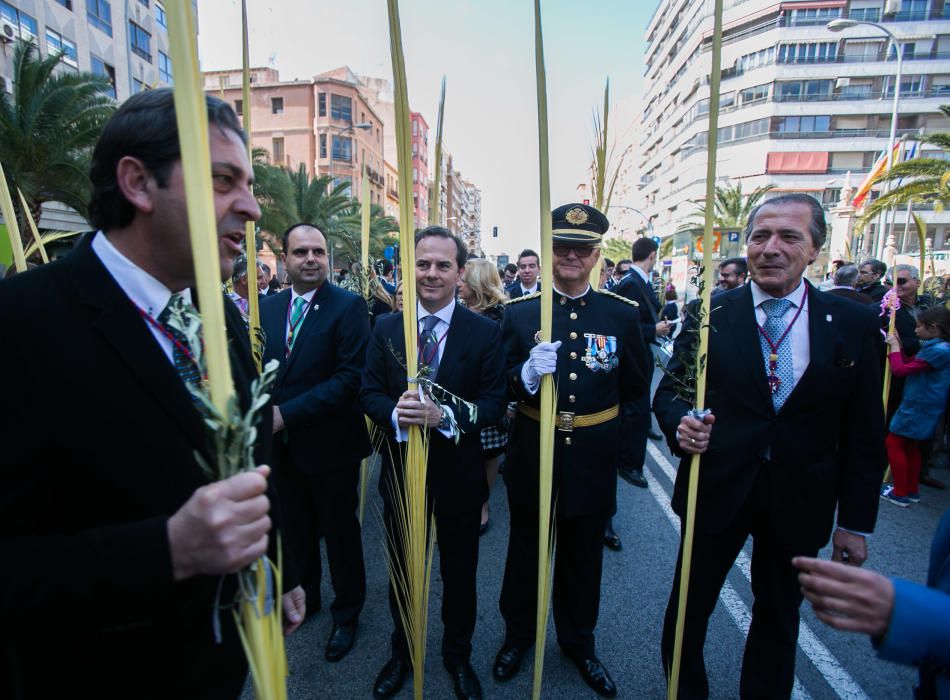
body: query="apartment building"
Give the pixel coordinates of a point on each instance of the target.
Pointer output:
(802, 108)
(126, 42)
(323, 123)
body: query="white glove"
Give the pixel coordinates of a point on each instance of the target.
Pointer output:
(541, 361)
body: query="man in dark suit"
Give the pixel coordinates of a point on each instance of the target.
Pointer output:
(636, 286)
(529, 267)
(463, 354)
(113, 540)
(318, 333)
(599, 361)
(870, 274)
(802, 438)
(844, 279)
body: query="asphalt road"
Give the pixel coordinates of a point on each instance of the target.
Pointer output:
(636, 584)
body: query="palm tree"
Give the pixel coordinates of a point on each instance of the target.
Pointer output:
(732, 208)
(606, 166)
(48, 128)
(928, 179)
(383, 231)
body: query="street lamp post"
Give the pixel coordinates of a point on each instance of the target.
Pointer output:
(837, 25)
(351, 128)
(637, 211)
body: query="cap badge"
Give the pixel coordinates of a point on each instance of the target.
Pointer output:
(576, 216)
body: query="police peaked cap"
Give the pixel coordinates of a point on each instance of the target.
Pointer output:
(579, 224)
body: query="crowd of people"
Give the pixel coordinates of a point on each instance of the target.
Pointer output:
(117, 546)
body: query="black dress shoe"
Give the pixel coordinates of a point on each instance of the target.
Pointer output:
(390, 679)
(596, 676)
(612, 540)
(653, 435)
(633, 476)
(465, 682)
(340, 641)
(508, 662)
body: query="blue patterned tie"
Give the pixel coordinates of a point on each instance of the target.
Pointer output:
(429, 350)
(182, 321)
(775, 326)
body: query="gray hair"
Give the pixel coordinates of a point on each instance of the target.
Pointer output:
(901, 270)
(240, 268)
(818, 228)
(846, 275)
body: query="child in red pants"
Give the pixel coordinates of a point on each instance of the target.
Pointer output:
(925, 395)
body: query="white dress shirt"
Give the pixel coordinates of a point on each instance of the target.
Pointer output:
(798, 335)
(306, 309)
(440, 329)
(145, 291)
(525, 291)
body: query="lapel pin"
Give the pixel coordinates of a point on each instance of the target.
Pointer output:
(828, 318)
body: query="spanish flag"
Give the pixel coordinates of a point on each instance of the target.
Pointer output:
(879, 166)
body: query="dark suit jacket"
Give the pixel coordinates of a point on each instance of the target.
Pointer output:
(317, 389)
(472, 367)
(586, 468)
(852, 294)
(515, 292)
(635, 289)
(97, 456)
(876, 291)
(826, 444)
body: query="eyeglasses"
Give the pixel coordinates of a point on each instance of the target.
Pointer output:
(902, 280)
(562, 251)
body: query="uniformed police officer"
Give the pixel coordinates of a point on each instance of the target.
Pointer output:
(599, 360)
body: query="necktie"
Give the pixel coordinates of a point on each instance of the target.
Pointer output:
(296, 320)
(429, 350)
(183, 323)
(775, 327)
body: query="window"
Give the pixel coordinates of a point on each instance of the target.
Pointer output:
(323, 145)
(160, 16)
(100, 67)
(26, 24)
(322, 104)
(68, 4)
(277, 150)
(754, 94)
(415, 128)
(137, 86)
(140, 41)
(99, 14)
(277, 105)
(912, 11)
(144, 2)
(342, 149)
(811, 52)
(165, 68)
(865, 14)
(814, 16)
(341, 108)
(239, 107)
(803, 125)
(58, 45)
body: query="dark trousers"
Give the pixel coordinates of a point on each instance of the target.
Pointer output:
(636, 420)
(457, 534)
(768, 666)
(325, 504)
(578, 556)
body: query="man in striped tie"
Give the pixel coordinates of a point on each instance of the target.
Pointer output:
(795, 433)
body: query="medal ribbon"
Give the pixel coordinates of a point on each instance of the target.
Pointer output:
(774, 346)
(180, 346)
(292, 332)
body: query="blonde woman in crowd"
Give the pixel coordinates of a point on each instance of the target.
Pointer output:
(481, 290)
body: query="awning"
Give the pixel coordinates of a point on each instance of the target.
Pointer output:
(797, 162)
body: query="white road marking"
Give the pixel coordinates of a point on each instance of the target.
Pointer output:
(834, 673)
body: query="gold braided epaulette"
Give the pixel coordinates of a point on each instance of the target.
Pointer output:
(608, 293)
(533, 295)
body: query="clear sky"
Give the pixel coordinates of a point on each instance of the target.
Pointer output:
(485, 48)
